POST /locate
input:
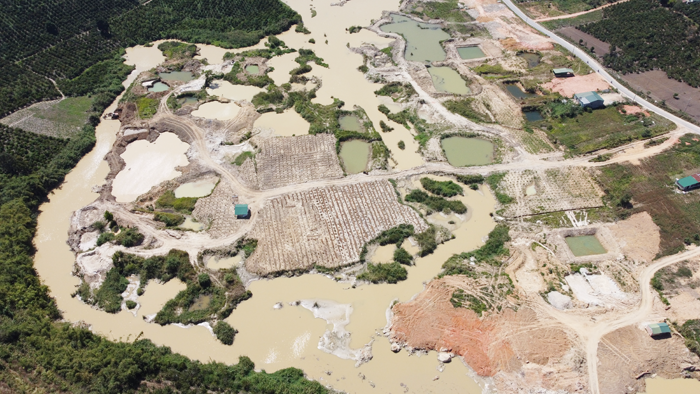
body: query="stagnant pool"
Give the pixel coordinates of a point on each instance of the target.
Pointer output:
(585, 245)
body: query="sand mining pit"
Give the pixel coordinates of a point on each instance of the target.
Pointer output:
(625, 354)
(325, 226)
(500, 345)
(562, 189)
(567, 87)
(638, 237)
(283, 161)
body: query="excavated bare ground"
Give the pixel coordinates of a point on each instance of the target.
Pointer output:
(624, 355)
(499, 345)
(638, 237)
(325, 226)
(556, 190)
(567, 87)
(286, 161)
(217, 211)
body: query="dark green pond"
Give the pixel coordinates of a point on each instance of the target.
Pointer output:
(515, 90)
(585, 245)
(533, 116)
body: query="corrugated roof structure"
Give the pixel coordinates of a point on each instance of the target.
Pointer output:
(589, 99)
(241, 209)
(563, 71)
(655, 329)
(689, 182)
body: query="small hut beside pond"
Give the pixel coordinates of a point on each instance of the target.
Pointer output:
(241, 211)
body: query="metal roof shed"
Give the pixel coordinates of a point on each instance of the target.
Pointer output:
(689, 182)
(563, 72)
(589, 100)
(655, 329)
(241, 210)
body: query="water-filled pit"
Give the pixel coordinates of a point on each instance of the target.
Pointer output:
(422, 39)
(187, 100)
(447, 80)
(516, 92)
(195, 189)
(468, 53)
(585, 245)
(182, 76)
(217, 110)
(158, 87)
(532, 59)
(533, 116)
(190, 224)
(252, 69)
(463, 151)
(350, 123)
(355, 155)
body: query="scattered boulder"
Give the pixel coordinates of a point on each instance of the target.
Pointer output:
(445, 357)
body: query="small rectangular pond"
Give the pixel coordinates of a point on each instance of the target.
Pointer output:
(462, 151)
(585, 245)
(355, 155)
(467, 53)
(349, 122)
(252, 69)
(533, 116)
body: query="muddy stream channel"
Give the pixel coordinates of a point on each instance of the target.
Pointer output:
(348, 319)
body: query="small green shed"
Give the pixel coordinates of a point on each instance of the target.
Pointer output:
(689, 183)
(241, 210)
(563, 72)
(656, 329)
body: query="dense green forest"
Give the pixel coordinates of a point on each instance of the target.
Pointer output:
(648, 34)
(60, 39)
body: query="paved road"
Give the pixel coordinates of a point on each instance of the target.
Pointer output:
(593, 63)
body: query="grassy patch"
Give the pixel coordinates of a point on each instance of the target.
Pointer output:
(466, 109)
(147, 107)
(170, 219)
(380, 273)
(241, 158)
(594, 16)
(691, 332)
(493, 181)
(445, 10)
(441, 188)
(396, 90)
(586, 132)
(178, 50)
(182, 204)
(650, 187)
(434, 203)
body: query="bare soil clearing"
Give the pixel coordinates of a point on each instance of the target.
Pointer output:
(574, 34)
(567, 87)
(638, 237)
(663, 88)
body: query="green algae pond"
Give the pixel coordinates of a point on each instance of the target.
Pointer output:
(468, 53)
(252, 69)
(350, 123)
(158, 87)
(533, 116)
(585, 245)
(516, 92)
(422, 39)
(463, 151)
(447, 80)
(355, 155)
(532, 59)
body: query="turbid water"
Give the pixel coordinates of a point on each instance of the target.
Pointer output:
(355, 155)
(462, 151)
(252, 69)
(190, 224)
(530, 190)
(350, 123)
(233, 92)
(532, 59)
(278, 338)
(585, 245)
(148, 164)
(182, 76)
(447, 80)
(226, 262)
(217, 110)
(671, 386)
(286, 124)
(199, 188)
(422, 39)
(467, 53)
(158, 87)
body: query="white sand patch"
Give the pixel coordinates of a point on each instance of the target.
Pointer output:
(217, 110)
(337, 340)
(148, 164)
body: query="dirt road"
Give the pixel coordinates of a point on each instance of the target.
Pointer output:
(567, 16)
